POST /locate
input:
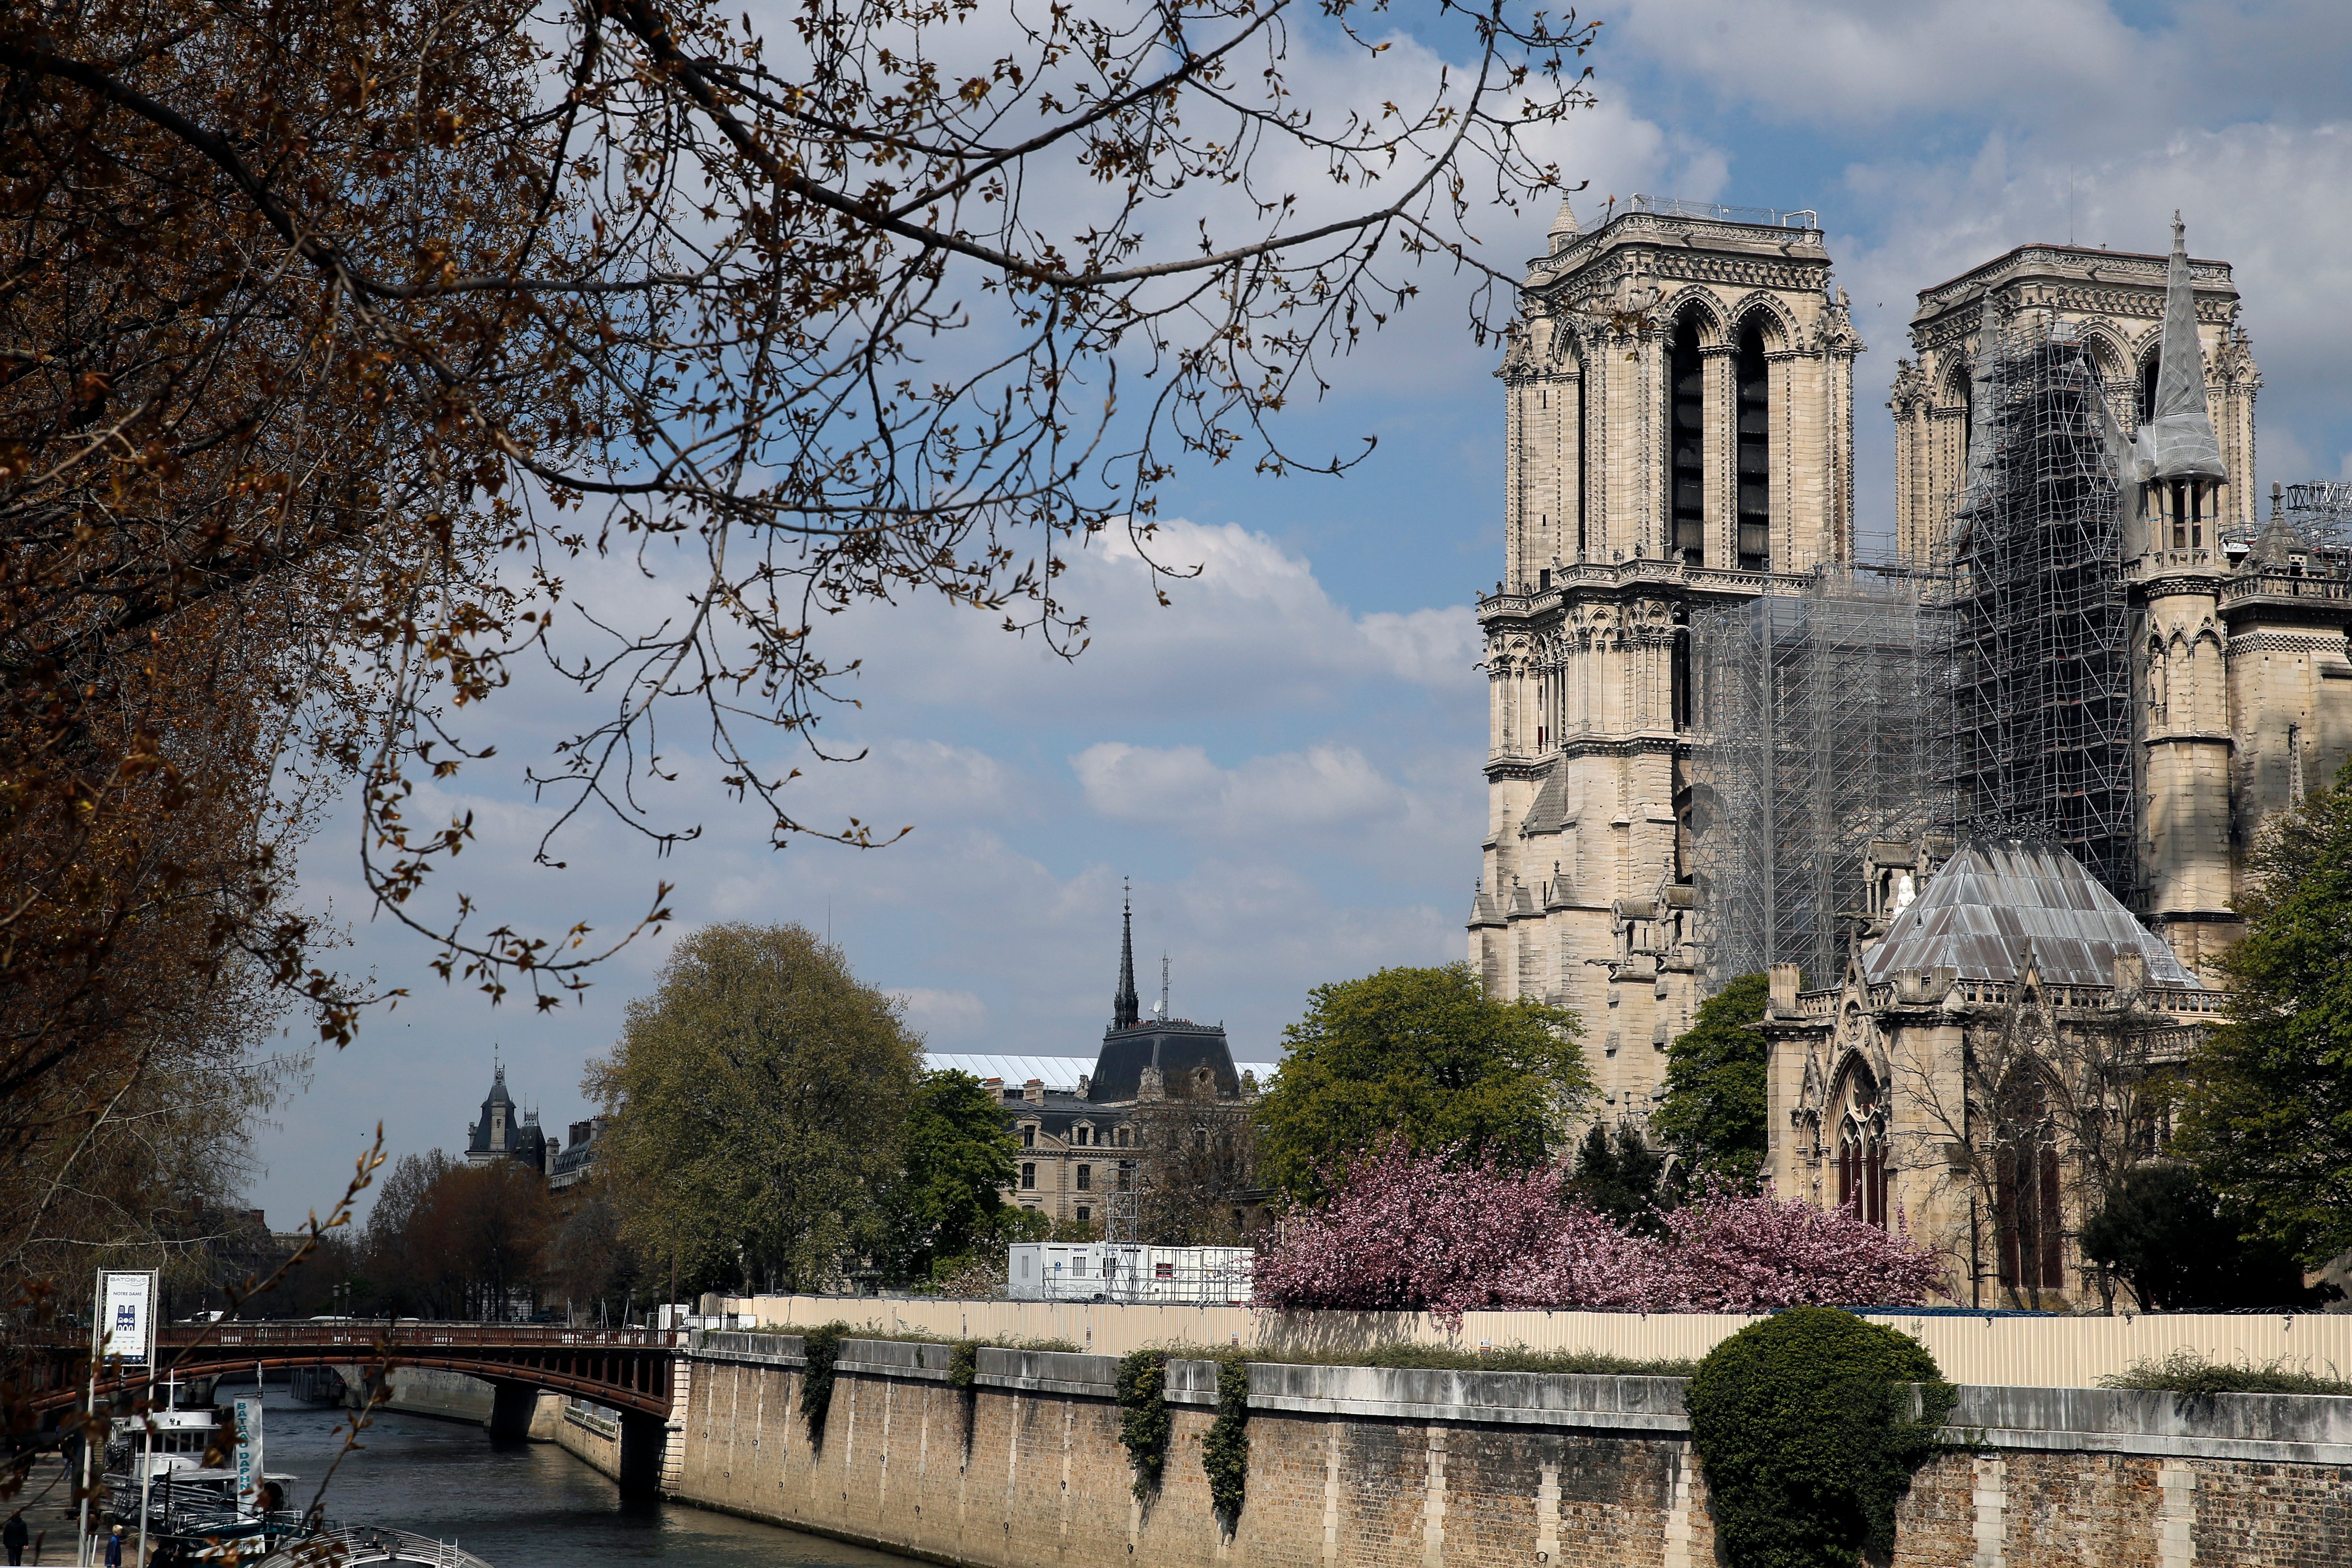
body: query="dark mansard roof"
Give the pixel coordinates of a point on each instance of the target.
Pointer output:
(2000, 899)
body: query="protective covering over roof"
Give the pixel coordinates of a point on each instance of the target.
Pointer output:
(2178, 441)
(1999, 898)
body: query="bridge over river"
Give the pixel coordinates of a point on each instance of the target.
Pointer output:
(639, 1372)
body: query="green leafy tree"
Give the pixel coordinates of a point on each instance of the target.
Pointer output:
(1425, 1054)
(2170, 1237)
(1713, 1114)
(758, 1099)
(958, 1158)
(2267, 1112)
(1618, 1176)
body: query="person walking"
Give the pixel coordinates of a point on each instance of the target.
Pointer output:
(114, 1548)
(13, 1535)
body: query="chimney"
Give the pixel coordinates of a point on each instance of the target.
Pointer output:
(1034, 1091)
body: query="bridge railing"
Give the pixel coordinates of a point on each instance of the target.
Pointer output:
(358, 1334)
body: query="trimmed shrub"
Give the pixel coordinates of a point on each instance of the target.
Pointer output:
(1144, 1425)
(1801, 1425)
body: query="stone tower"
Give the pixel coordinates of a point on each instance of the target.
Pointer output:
(2117, 300)
(1680, 432)
(2241, 686)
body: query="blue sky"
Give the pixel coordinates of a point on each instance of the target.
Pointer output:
(1287, 760)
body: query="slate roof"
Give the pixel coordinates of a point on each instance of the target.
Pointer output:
(1999, 898)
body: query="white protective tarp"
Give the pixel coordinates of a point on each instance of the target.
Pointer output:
(2176, 442)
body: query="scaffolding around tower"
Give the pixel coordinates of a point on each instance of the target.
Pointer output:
(1823, 728)
(2041, 709)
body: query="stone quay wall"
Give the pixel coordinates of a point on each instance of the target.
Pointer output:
(1422, 1469)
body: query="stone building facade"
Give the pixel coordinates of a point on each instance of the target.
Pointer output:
(506, 1132)
(1679, 403)
(1981, 1072)
(1080, 1154)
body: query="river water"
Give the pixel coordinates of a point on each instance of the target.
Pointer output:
(517, 1505)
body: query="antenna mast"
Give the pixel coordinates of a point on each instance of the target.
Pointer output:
(1163, 987)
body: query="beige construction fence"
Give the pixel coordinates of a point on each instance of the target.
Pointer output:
(2050, 1352)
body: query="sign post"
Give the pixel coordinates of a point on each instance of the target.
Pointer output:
(121, 1325)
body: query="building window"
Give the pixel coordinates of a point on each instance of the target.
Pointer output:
(1028, 1137)
(1085, 1136)
(1086, 1216)
(1085, 1178)
(1122, 1137)
(1028, 1176)
(2029, 1216)
(2148, 375)
(1752, 379)
(1687, 433)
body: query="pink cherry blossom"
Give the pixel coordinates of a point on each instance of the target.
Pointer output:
(1405, 1233)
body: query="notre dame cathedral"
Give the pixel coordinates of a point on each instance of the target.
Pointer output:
(1679, 402)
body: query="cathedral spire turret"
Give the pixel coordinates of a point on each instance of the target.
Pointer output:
(1125, 1013)
(2178, 441)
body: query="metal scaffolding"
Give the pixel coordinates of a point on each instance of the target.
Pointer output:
(2041, 696)
(1820, 711)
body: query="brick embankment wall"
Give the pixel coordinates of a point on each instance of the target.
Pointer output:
(1422, 1469)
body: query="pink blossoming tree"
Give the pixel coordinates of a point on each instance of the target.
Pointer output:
(1403, 1232)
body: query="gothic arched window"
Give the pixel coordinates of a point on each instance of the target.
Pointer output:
(2029, 1216)
(1752, 380)
(1686, 415)
(2148, 373)
(1861, 1149)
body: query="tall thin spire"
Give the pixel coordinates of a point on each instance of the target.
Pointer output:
(1124, 1012)
(2178, 440)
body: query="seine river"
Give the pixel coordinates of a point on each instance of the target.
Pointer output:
(517, 1505)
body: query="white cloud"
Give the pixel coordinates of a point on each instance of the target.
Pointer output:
(942, 1016)
(1248, 626)
(1323, 788)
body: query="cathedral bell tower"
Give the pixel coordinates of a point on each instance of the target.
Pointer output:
(1679, 416)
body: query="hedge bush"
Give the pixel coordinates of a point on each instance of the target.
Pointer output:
(1800, 1422)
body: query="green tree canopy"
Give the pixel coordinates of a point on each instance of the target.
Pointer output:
(758, 1099)
(1618, 1177)
(2169, 1236)
(959, 1155)
(2267, 1114)
(1425, 1053)
(1713, 1114)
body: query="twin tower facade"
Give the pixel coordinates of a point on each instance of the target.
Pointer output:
(1679, 402)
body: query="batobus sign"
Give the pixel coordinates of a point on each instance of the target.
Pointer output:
(126, 1318)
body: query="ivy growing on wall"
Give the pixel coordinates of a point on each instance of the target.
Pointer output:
(1143, 1425)
(963, 1366)
(1225, 1452)
(1803, 1423)
(821, 1347)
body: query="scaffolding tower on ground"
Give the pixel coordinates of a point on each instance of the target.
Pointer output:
(1822, 727)
(2041, 721)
